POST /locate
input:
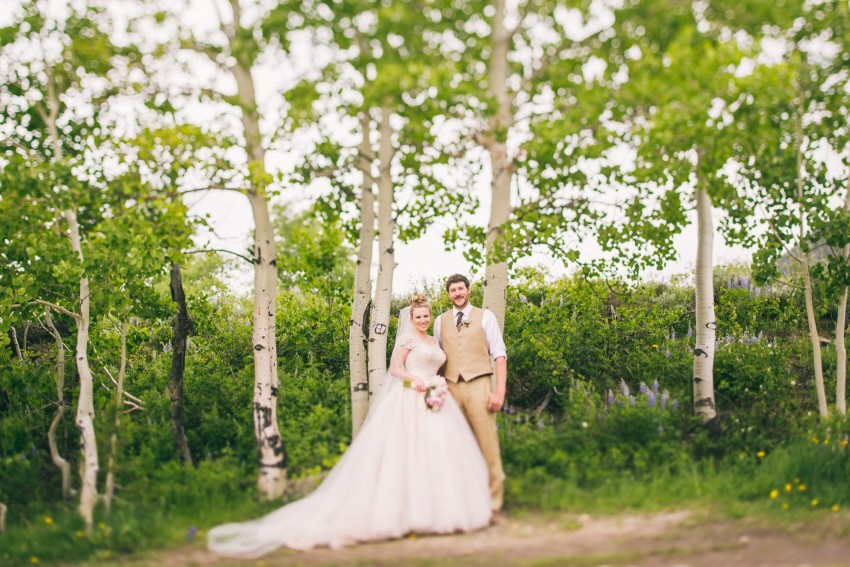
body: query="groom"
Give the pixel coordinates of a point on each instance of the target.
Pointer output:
(471, 338)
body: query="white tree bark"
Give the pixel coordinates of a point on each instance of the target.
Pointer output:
(2, 518)
(109, 491)
(814, 336)
(85, 405)
(706, 325)
(63, 465)
(271, 480)
(496, 272)
(358, 324)
(380, 320)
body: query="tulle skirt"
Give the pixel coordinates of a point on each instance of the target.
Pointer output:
(410, 470)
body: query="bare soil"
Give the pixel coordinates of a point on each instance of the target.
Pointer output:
(669, 539)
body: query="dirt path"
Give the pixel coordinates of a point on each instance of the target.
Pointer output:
(672, 539)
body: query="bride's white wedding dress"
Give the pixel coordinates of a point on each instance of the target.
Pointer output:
(409, 470)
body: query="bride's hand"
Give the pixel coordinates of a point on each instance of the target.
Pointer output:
(419, 385)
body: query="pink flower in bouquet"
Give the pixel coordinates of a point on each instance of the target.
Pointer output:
(435, 393)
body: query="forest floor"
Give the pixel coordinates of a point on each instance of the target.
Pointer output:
(668, 539)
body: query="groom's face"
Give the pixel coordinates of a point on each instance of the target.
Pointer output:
(459, 294)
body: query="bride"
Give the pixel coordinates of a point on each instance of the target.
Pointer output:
(411, 469)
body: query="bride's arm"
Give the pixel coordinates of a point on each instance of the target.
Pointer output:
(398, 370)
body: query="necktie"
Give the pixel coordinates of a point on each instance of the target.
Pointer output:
(459, 319)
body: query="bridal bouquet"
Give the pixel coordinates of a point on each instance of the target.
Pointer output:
(435, 393)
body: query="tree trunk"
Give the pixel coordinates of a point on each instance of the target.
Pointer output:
(179, 333)
(823, 409)
(85, 405)
(271, 453)
(496, 272)
(2, 518)
(13, 334)
(706, 326)
(63, 465)
(380, 320)
(84, 418)
(118, 403)
(358, 325)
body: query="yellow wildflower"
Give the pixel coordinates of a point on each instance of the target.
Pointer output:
(815, 440)
(33, 559)
(200, 533)
(802, 488)
(412, 536)
(654, 346)
(102, 526)
(836, 507)
(796, 481)
(774, 494)
(815, 502)
(788, 487)
(844, 442)
(826, 441)
(48, 520)
(760, 454)
(80, 533)
(785, 506)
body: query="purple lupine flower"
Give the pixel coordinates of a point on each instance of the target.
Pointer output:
(655, 386)
(610, 398)
(632, 401)
(728, 284)
(757, 291)
(690, 331)
(665, 397)
(624, 388)
(540, 424)
(643, 389)
(674, 405)
(667, 353)
(745, 282)
(650, 399)
(673, 334)
(192, 533)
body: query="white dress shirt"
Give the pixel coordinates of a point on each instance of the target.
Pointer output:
(491, 331)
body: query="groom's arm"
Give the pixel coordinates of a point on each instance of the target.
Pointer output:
(499, 352)
(497, 398)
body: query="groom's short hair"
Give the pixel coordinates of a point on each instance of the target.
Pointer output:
(455, 279)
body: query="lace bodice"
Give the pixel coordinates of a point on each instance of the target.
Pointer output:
(423, 360)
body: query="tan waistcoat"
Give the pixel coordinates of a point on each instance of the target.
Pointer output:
(467, 351)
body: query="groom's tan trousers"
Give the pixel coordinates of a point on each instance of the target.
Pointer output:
(473, 398)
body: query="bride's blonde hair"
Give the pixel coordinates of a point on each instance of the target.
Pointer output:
(418, 301)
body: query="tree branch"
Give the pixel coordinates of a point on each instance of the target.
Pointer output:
(204, 250)
(57, 308)
(126, 393)
(778, 237)
(215, 188)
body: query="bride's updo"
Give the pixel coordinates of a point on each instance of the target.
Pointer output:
(418, 301)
